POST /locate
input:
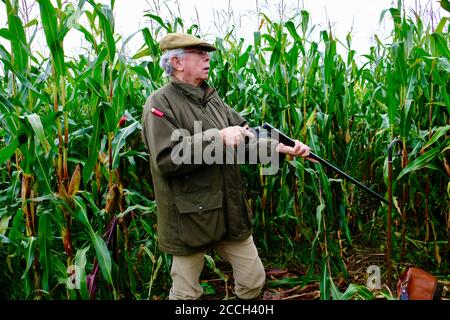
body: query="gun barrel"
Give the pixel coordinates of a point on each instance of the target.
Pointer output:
(284, 139)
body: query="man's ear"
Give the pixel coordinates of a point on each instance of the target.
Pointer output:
(176, 63)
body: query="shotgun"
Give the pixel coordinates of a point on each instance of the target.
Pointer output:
(284, 139)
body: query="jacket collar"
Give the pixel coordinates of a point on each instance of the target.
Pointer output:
(199, 95)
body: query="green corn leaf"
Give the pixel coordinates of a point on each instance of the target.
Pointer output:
(349, 293)
(4, 222)
(396, 16)
(4, 54)
(383, 13)
(212, 265)
(9, 150)
(72, 20)
(94, 146)
(31, 23)
(179, 23)
(420, 162)
(96, 88)
(438, 134)
(42, 167)
(107, 24)
(143, 53)
(101, 250)
(444, 64)
(398, 50)
(151, 43)
(405, 120)
(257, 40)
(357, 290)
(59, 270)
(90, 199)
(50, 24)
(441, 25)
(293, 59)
(154, 275)
(445, 4)
(57, 214)
(324, 282)
(293, 31)
(103, 257)
(193, 29)
(443, 83)
(305, 21)
(275, 58)
(8, 35)
(160, 21)
(120, 140)
(81, 215)
(7, 114)
(319, 214)
(345, 224)
(87, 35)
(25, 81)
(19, 43)
(243, 59)
(391, 99)
(30, 250)
(335, 293)
(290, 282)
(80, 262)
(109, 117)
(45, 234)
(141, 71)
(137, 207)
(50, 119)
(53, 198)
(441, 45)
(18, 224)
(4, 239)
(36, 124)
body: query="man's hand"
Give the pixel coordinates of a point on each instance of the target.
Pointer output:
(299, 150)
(233, 136)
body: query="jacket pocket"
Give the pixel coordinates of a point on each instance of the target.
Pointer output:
(201, 218)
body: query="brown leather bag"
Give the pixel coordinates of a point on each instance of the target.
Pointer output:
(416, 284)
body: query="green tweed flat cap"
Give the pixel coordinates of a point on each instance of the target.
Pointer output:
(181, 40)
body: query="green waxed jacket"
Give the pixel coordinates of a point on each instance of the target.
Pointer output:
(197, 204)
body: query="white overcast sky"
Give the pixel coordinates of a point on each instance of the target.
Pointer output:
(361, 17)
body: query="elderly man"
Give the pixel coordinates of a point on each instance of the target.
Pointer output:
(200, 205)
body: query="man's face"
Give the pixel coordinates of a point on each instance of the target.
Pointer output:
(195, 64)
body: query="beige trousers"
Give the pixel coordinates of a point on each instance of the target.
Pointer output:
(248, 271)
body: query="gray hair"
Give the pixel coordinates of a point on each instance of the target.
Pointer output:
(165, 63)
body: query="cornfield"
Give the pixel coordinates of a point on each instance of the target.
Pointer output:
(75, 187)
